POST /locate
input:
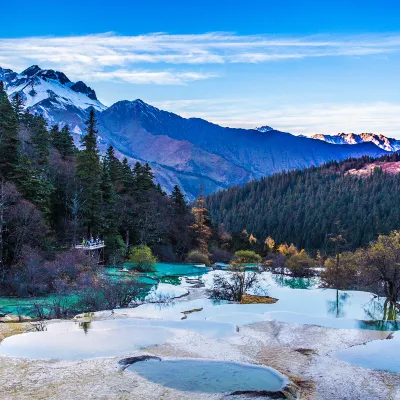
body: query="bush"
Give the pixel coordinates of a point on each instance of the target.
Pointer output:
(220, 255)
(197, 257)
(247, 257)
(143, 258)
(233, 285)
(301, 265)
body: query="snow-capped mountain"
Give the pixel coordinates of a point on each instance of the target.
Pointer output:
(52, 94)
(181, 151)
(264, 129)
(385, 143)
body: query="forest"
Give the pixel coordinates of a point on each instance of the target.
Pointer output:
(53, 196)
(307, 207)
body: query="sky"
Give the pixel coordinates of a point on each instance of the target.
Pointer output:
(303, 67)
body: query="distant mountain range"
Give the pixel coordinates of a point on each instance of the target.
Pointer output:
(186, 152)
(381, 141)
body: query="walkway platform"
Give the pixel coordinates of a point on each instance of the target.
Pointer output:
(93, 246)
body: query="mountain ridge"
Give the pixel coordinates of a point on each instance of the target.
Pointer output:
(182, 151)
(384, 142)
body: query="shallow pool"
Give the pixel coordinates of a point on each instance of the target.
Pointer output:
(378, 354)
(192, 375)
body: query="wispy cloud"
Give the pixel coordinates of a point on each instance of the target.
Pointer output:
(113, 57)
(379, 117)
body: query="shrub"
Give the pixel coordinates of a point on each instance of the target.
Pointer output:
(247, 257)
(143, 258)
(301, 265)
(197, 257)
(219, 255)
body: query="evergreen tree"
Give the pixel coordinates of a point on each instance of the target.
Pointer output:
(55, 136)
(41, 141)
(67, 148)
(115, 246)
(18, 105)
(115, 167)
(9, 141)
(62, 141)
(127, 177)
(32, 185)
(160, 190)
(89, 174)
(143, 178)
(179, 199)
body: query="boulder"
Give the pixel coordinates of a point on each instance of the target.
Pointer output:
(15, 318)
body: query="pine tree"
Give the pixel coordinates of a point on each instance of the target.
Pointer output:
(18, 104)
(55, 137)
(67, 147)
(9, 141)
(160, 190)
(89, 174)
(31, 185)
(115, 247)
(127, 178)
(115, 167)
(179, 199)
(41, 141)
(143, 178)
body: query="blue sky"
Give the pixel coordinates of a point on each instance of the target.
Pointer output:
(300, 66)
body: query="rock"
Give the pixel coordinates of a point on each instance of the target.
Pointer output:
(85, 317)
(10, 318)
(15, 318)
(126, 362)
(252, 299)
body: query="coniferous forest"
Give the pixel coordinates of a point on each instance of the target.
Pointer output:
(53, 195)
(307, 207)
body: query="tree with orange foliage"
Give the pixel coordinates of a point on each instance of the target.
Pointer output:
(200, 226)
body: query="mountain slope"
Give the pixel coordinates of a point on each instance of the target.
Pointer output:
(226, 155)
(186, 152)
(385, 143)
(306, 207)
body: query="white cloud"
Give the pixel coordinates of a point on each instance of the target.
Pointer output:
(110, 56)
(380, 117)
(154, 77)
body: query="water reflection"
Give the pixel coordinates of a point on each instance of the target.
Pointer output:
(336, 307)
(294, 283)
(85, 326)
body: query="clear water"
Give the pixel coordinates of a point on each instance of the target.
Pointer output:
(74, 341)
(300, 301)
(204, 376)
(378, 354)
(171, 269)
(169, 274)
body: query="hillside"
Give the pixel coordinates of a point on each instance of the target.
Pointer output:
(182, 151)
(305, 207)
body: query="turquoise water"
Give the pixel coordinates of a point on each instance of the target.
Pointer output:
(163, 272)
(205, 376)
(152, 324)
(168, 269)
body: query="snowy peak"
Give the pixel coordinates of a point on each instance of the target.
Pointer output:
(32, 70)
(81, 87)
(42, 89)
(264, 129)
(385, 143)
